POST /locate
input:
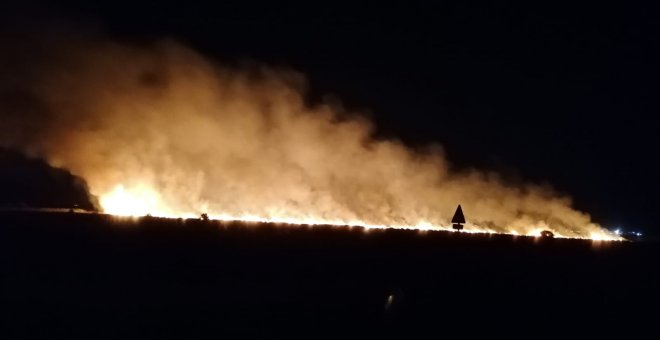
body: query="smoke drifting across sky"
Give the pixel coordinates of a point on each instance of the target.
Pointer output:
(158, 128)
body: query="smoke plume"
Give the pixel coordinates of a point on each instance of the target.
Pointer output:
(157, 128)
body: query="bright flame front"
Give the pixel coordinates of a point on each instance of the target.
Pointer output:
(142, 200)
(138, 201)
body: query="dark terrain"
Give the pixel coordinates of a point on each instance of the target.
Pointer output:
(95, 276)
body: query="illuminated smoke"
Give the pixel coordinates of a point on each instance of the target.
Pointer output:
(159, 129)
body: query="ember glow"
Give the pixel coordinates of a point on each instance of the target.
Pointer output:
(160, 130)
(144, 201)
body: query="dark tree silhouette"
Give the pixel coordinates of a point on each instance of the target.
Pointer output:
(547, 234)
(32, 183)
(459, 219)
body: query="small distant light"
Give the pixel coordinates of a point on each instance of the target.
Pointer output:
(617, 231)
(389, 301)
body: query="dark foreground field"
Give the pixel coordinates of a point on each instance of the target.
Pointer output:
(92, 276)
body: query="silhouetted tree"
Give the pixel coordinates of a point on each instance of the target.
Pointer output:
(459, 219)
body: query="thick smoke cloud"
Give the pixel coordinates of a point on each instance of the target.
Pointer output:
(187, 136)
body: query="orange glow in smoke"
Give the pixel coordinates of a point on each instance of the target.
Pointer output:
(157, 129)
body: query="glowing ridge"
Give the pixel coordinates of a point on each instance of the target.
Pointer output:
(142, 201)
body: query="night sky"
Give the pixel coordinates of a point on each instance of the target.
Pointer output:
(564, 95)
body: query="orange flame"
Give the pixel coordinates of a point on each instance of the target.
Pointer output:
(160, 130)
(142, 200)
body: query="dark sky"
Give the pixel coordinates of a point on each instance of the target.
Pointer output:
(548, 93)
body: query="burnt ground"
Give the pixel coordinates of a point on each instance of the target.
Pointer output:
(91, 276)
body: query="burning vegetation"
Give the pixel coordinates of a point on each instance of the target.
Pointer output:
(158, 129)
